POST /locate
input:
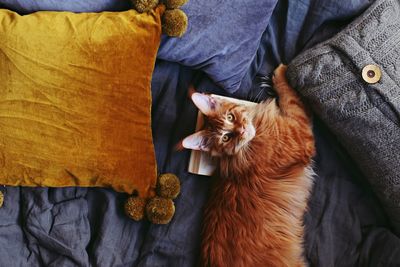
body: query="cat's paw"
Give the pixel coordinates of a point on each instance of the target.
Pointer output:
(279, 74)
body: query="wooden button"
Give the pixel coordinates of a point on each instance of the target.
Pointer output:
(371, 74)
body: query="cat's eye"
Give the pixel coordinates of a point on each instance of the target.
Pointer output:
(226, 138)
(230, 117)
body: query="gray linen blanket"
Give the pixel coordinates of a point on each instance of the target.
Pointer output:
(363, 111)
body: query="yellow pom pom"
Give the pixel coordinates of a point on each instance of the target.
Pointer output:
(174, 23)
(160, 210)
(168, 186)
(144, 5)
(171, 4)
(134, 208)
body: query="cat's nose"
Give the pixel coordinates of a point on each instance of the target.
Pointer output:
(242, 130)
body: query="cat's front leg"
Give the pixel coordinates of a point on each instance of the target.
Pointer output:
(290, 103)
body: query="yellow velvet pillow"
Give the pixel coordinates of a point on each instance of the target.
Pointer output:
(75, 100)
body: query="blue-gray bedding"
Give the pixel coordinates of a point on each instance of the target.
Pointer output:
(221, 40)
(345, 224)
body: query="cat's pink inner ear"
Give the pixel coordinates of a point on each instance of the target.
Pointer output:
(205, 103)
(195, 141)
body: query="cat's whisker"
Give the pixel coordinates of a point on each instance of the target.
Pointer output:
(264, 89)
(257, 96)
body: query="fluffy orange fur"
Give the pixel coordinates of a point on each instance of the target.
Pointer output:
(254, 216)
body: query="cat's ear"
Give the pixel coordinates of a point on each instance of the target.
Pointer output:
(196, 141)
(205, 103)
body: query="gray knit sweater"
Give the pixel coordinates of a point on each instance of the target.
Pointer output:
(365, 116)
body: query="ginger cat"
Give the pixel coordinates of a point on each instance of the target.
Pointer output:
(254, 216)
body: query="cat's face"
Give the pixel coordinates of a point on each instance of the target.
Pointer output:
(228, 127)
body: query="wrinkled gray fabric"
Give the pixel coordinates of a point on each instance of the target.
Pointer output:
(365, 117)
